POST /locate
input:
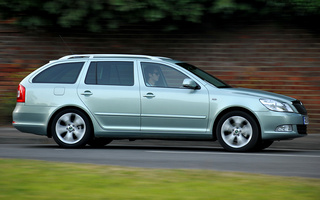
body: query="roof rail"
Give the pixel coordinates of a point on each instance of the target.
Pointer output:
(112, 56)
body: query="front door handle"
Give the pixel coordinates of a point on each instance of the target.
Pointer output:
(87, 93)
(149, 95)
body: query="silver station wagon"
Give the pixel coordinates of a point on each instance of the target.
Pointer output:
(96, 98)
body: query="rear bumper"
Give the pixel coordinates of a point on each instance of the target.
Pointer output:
(31, 128)
(30, 119)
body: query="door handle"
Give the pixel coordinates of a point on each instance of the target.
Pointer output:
(87, 93)
(149, 95)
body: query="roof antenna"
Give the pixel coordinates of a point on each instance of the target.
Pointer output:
(66, 44)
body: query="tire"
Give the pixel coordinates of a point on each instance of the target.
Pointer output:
(237, 131)
(99, 142)
(71, 128)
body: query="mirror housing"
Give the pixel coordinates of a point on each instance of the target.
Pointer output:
(191, 84)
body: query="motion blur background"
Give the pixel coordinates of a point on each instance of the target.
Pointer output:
(272, 45)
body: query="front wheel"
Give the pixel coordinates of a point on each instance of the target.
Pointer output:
(237, 131)
(71, 128)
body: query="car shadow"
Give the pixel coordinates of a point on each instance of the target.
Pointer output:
(163, 148)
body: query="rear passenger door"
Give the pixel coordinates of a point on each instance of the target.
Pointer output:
(111, 93)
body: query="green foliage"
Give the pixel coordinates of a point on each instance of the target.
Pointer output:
(95, 15)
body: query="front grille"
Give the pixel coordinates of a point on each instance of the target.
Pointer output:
(302, 129)
(299, 106)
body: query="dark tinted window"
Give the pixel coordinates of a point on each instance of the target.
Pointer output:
(110, 73)
(61, 73)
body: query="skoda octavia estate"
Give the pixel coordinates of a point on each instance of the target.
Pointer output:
(94, 99)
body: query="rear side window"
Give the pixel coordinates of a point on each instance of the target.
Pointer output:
(60, 73)
(110, 73)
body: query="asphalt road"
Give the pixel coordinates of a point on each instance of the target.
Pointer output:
(299, 157)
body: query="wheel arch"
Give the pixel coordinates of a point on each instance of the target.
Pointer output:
(221, 114)
(49, 133)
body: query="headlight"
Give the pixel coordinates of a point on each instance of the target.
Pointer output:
(276, 105)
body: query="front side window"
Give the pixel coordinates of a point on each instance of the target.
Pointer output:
(159, 75)
(66, 73)
(110, 73)
(204, 75)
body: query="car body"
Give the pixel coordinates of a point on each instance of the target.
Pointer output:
(96, 98)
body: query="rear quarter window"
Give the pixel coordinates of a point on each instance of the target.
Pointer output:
(66, 73)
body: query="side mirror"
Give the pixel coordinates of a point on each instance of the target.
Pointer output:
(191, 84)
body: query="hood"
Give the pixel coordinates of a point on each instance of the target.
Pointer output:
(259, 94)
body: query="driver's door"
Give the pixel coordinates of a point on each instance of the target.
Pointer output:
(169, 107)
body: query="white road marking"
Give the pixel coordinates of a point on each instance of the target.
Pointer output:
(230, 153)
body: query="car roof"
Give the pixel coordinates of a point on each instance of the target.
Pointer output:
(88, 56)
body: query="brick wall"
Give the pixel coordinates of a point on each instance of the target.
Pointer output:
(279, 58)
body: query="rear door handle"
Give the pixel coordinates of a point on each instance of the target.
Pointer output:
(87, 93)
(149, 95)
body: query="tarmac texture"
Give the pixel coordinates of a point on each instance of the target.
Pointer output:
(9, 135)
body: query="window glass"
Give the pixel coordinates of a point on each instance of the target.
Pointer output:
(60, 73)
(204, 75)
(110, 73)
(158, 75)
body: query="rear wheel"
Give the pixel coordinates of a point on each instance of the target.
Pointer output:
(237, 131)
(71, 128)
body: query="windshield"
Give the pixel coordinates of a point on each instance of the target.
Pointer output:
(204, 75)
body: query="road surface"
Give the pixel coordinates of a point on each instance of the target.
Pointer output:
(300, 157)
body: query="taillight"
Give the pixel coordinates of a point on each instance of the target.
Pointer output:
(21, 94)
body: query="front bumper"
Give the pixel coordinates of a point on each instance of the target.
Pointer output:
(270, 120)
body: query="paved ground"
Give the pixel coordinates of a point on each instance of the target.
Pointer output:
(10, 135)
(298, 157)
